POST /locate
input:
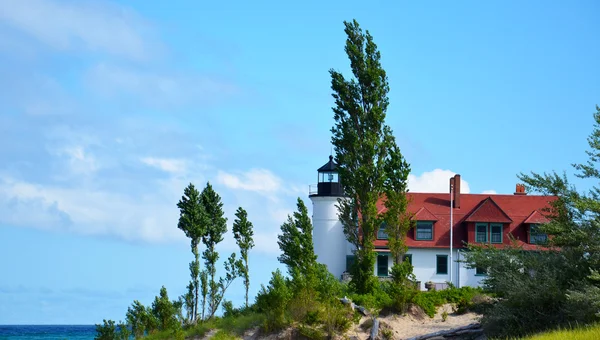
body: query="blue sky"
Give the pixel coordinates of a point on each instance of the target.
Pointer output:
(109, 109)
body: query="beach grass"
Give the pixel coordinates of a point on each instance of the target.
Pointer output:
(582, 333)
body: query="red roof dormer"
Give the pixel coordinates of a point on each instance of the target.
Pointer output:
(488, 211)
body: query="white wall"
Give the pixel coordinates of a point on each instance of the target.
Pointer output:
(329, 240)
(468, 277)
(424, 268)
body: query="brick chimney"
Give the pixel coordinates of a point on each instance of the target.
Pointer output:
(520, 189)
(455, 182)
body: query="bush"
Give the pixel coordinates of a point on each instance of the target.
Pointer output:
(312, 332)
(337, 319)
(429, 301)
(239, 324)
(106, 331)
(377, 300)
(273, 301)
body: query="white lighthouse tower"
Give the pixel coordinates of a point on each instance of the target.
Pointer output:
(328, 233)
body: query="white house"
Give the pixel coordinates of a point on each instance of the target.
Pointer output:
(434, 249)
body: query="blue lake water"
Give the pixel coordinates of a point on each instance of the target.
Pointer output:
(47, 332)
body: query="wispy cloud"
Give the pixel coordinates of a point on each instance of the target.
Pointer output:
(160, 88)
(257, 180)
(174, 166)
(80, 25)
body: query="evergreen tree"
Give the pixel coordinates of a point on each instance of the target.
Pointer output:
(192, 221)
(243, 233)
(164, 310)
(296, 243)
(215, 229)
(369, 161)
(136, 318)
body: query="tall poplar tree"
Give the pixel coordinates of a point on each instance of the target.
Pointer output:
(192, 219)
(216, 227)
(296, 243)
(243, 233)
(369, 162)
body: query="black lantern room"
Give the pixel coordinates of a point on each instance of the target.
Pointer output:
(329, 180)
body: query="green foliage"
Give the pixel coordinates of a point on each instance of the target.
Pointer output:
(429, 301)
(106, 331)
(444, 316)
(387, 334)
(192, 221)
(337, 319)
(244, 321)
(378, 299)
(124, 333)
(204, 289)
(579, 333)
(295, 241)
(272, 301)
(369, 161)
(223, 335)
(166, 311)
(313, 333)
(215, 229)
(243, 233)
(136, 317)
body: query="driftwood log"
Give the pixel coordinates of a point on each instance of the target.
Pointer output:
(374, 329)
(469, 329)
(362, 310)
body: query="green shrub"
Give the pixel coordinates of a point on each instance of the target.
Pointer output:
(273, 301)
(312, 332)
(387, 334)
(223, 335)
(239, 324)
(429, 301)
(378, 300)
(106, 331)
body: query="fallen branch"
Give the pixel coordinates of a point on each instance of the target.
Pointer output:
(375, 329)
(362, 310)
(472, 328)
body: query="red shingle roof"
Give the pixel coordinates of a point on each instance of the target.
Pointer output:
(424, 215)
(511, 210)
(488, 211)
(536, 217)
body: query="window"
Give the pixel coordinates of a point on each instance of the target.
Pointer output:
(441, 264)
(408, 258)
(536, 236)
(349, 261)
(481, 230)
(382, 265)
(496, 233)
(381, 234)
(424, 231)
(480, 271)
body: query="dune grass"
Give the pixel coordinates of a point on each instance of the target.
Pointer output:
(227, 328)
(583, 333)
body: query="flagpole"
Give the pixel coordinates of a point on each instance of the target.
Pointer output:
(451, 225)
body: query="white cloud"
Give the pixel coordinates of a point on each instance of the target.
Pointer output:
(489, 192)
(436, 181)
(80, 161)
(257, 180)
(174, 166)
(156, 87)
(74, 25)
(87, 211)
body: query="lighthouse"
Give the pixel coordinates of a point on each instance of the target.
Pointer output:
(329, 240)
